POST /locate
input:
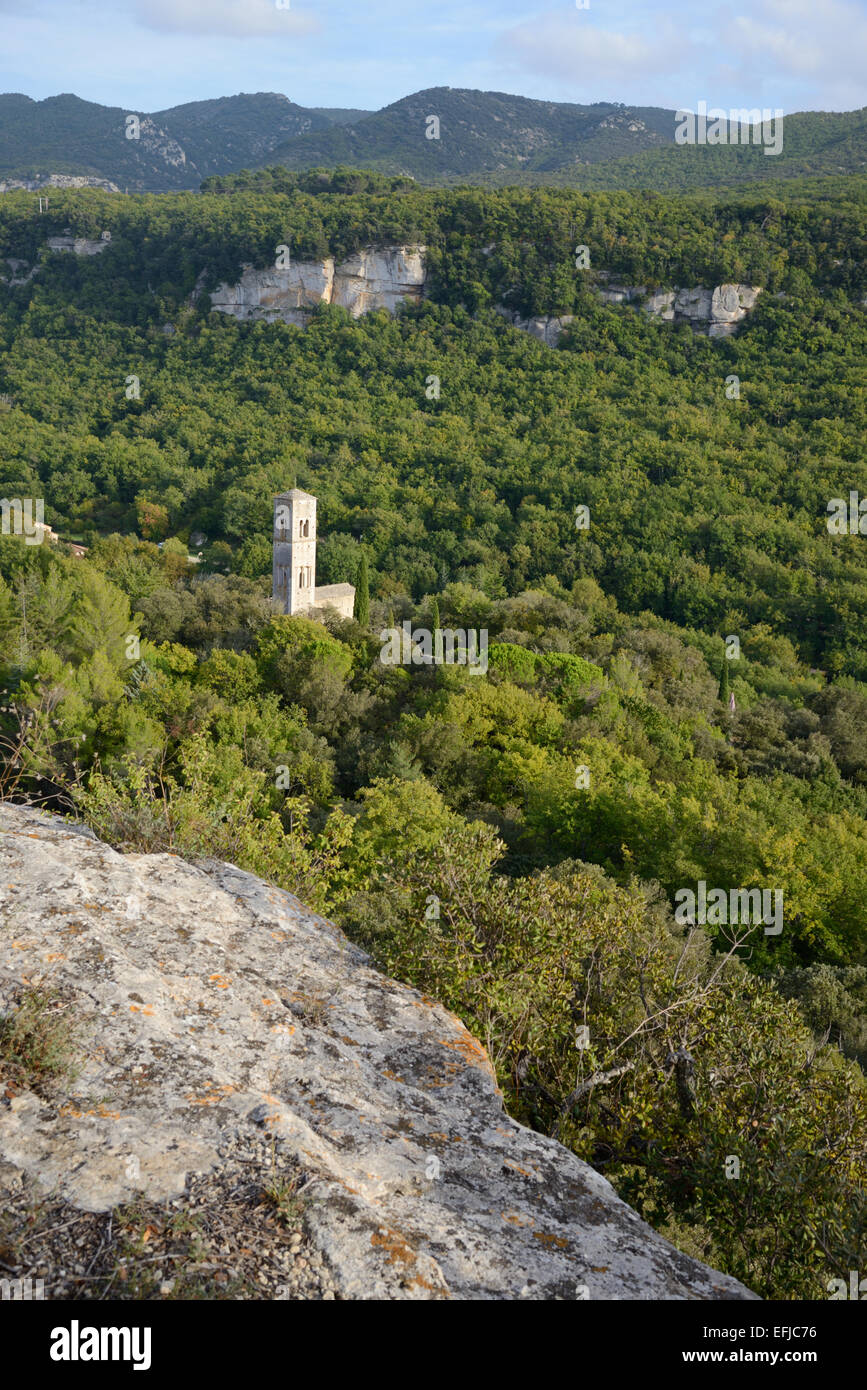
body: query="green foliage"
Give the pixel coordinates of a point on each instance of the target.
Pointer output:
(530, 964)
(512, 842)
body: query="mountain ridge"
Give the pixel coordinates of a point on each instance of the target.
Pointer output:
(482, 137)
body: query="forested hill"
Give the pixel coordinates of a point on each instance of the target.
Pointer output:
(676, 691)
(483, 246)
(492, 138)
(171, 149)
(482, 137)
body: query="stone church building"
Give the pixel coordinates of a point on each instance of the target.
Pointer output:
(294, 571)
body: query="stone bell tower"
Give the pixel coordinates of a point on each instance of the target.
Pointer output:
(294, 572)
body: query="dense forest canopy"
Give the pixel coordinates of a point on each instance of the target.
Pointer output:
(620, 747)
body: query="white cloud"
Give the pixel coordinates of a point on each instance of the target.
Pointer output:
(242, 19)
(822, 42)
(570, 47)
(747, 52)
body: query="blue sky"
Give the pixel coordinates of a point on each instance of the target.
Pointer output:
(148, 54)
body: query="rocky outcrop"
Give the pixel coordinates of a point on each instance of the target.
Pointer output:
(58, 181)
(548, 328)
(379, 279)
(716, 312)
(285, 296)
(217, 1007)
(621, 294)
(20, 274)
(79, 245)
(372, 279)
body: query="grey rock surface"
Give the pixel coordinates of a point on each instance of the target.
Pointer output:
(215, 1006)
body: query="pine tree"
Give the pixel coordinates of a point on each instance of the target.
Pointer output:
(362, 593)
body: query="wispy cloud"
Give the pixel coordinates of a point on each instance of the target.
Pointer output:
(240, 19)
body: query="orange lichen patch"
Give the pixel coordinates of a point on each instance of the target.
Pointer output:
(516, 1168)
(514, 1219)
(470, 1049)
(283, 1028)
(394, 1244)
(343, 1182)
(280, 935)
(270, 1002)
(599, 1269)
(559, 1242)
(55, 955)
(214, 1094)
(351, 1041)
(145, 1009)
(101, 1112)
(393, 1076)
(221, 981)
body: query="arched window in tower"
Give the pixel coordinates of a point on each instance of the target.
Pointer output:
(305, 529)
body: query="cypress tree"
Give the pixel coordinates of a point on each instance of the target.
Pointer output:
(724, 687)
(362, 593)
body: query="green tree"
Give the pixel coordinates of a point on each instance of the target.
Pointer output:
(362, 593)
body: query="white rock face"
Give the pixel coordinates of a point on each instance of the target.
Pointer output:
(661, 305)
(693, 305)
(373, 279)
(716, 312)
(269, 296)
(217, 1007)
(730, 304)
(379, 280)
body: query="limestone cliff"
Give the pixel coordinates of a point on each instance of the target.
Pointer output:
(216, 1006)
(372, 279)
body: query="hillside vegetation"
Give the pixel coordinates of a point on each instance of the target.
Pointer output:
(512, 842)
